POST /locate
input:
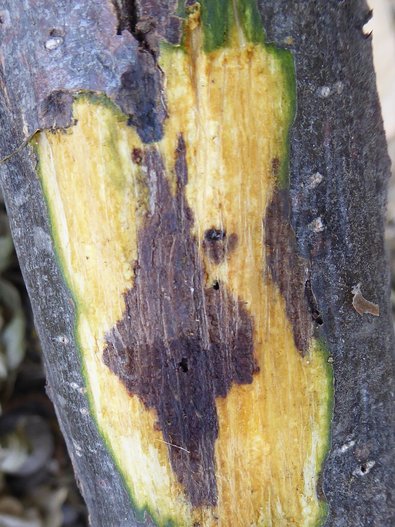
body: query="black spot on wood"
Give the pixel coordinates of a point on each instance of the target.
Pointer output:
(217, 245)
(312, 303)
(183, 364)
(180, 344)
(288, 268)
(214, 235)
(137, 156)
(316, 315)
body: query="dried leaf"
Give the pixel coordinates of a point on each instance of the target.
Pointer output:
(361, 305)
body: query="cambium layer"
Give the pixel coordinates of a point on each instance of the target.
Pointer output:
(192, 319)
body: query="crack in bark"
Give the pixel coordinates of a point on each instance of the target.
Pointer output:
(142, 28)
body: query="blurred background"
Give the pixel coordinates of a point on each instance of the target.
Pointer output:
(37, 487)
(382, 26)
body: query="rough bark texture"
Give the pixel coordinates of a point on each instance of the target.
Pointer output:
(338, 175)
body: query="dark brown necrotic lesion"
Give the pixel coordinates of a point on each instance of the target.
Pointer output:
(217, 245)
(180, 344)
(289, 270)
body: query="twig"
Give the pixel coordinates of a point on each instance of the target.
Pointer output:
(19, 148)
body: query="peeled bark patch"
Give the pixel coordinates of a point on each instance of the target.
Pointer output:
(211, 412)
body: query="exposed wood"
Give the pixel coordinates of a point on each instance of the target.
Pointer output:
(176, 276)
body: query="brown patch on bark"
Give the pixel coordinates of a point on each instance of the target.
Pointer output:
(56, 110)
(217, 245)
(288, 269)
(180, 345)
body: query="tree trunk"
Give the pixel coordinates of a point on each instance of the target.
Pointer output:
(197, 204)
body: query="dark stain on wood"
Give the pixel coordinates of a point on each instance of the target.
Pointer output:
(138, 91)
(137, 156)
(275, 166)
(217, 245)
(287, 268)
(180, 344)
(312, 303)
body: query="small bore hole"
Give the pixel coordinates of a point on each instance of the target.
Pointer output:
(56, 32)
(317, 317)
(216, 285)
(214, 235)
(183, 365)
